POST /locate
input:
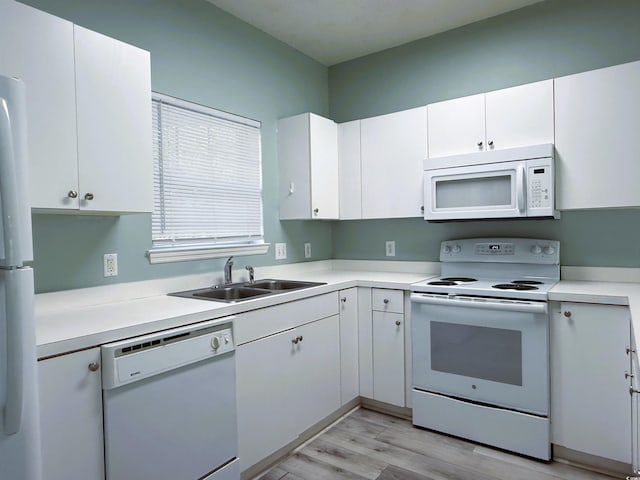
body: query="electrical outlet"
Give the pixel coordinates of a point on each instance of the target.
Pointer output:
(281, 251)
(307, 250)
(390, 248)
(110, 261)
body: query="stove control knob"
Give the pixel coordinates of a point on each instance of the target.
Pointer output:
(549, 250)
(456, 249)
(215, 343)
(446, 249)
(536, 250)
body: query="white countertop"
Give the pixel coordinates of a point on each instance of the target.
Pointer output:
(79, 319)
(84, 318)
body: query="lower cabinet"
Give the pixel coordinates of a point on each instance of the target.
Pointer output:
(71, 416)
(381, 337)
(349, 378)
(286, 383)
(388, 346)
(590, 401)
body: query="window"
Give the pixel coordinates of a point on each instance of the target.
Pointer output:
(207, 183)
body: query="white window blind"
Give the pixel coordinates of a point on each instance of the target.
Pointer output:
(207, 181)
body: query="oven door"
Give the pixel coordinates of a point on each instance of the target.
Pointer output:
(487, 350)
(494, 190)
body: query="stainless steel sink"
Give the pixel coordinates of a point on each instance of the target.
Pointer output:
(270, 284)
(239, 292)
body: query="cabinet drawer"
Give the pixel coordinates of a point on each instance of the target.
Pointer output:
(386, 300)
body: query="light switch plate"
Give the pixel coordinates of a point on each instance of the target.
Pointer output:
(390, 248)
(281, 251)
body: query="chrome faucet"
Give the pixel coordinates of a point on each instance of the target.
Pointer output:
(250, 269)
(227, 270)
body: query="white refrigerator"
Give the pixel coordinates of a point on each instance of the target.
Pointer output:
(19, 417)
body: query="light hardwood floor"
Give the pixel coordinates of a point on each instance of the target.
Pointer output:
(371, 445)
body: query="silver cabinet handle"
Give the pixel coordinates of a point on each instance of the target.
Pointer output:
(490, 143)
(72, 194)
(628, 375)
(316, 211)
(386, 301)
(343, 299)
(88, 196)
(398, 322)
(295, 341)
(94, 366)
(630, 350)
(567, 313)
(300, 338)
(480, 144)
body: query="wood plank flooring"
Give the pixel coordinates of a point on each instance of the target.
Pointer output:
(367, 445)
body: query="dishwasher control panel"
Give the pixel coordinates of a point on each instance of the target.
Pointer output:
(135, 359)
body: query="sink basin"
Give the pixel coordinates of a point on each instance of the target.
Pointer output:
(238, 292)
(269, 284)
(229, 293)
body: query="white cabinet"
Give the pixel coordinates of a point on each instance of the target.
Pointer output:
(88, 113)
(38, 48)
(308, 163)
(388, 346)
(512, 117)
(71, 416)
(597, 125)
(350, 171)
(590, 401)
(393, 148)
(287, 380)
(349, 378)
(113, 94)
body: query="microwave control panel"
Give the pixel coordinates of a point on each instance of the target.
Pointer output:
(539, 186)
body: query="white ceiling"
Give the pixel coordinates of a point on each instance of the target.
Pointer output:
(333, 31)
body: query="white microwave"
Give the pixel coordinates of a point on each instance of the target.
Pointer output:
(510, 183)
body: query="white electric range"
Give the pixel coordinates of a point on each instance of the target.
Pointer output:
(480, 343)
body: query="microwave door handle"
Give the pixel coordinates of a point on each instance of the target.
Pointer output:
(521, 188)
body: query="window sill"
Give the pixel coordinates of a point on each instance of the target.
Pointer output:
(182, 254)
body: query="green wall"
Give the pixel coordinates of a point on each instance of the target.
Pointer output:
(546, 40)
(201, 54)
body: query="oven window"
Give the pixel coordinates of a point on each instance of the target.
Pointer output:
(478, 352)
(474, 192)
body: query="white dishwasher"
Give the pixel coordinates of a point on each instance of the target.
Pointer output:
(170, 405)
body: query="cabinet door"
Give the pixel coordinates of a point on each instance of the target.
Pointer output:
(38, 48)
(456, 126)
(520, 116)
(388, 358)
(113, 89)
(597, 117)
(349, 380)
(323, 138)
(314, 389)
(71, 416)
(393, 151)
(590, 402)
(265, 390)
(365, 342)
(350, 170)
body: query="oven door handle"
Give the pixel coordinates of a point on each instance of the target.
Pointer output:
(483, 303)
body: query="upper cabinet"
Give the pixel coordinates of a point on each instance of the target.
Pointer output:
(88, 113)
(113, 95)
(350, 171)
(392, 151)
(512, 117)
(597, 125)
(308, 162)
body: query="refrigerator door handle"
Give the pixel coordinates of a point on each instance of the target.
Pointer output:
(9, 189)
(15, 310)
